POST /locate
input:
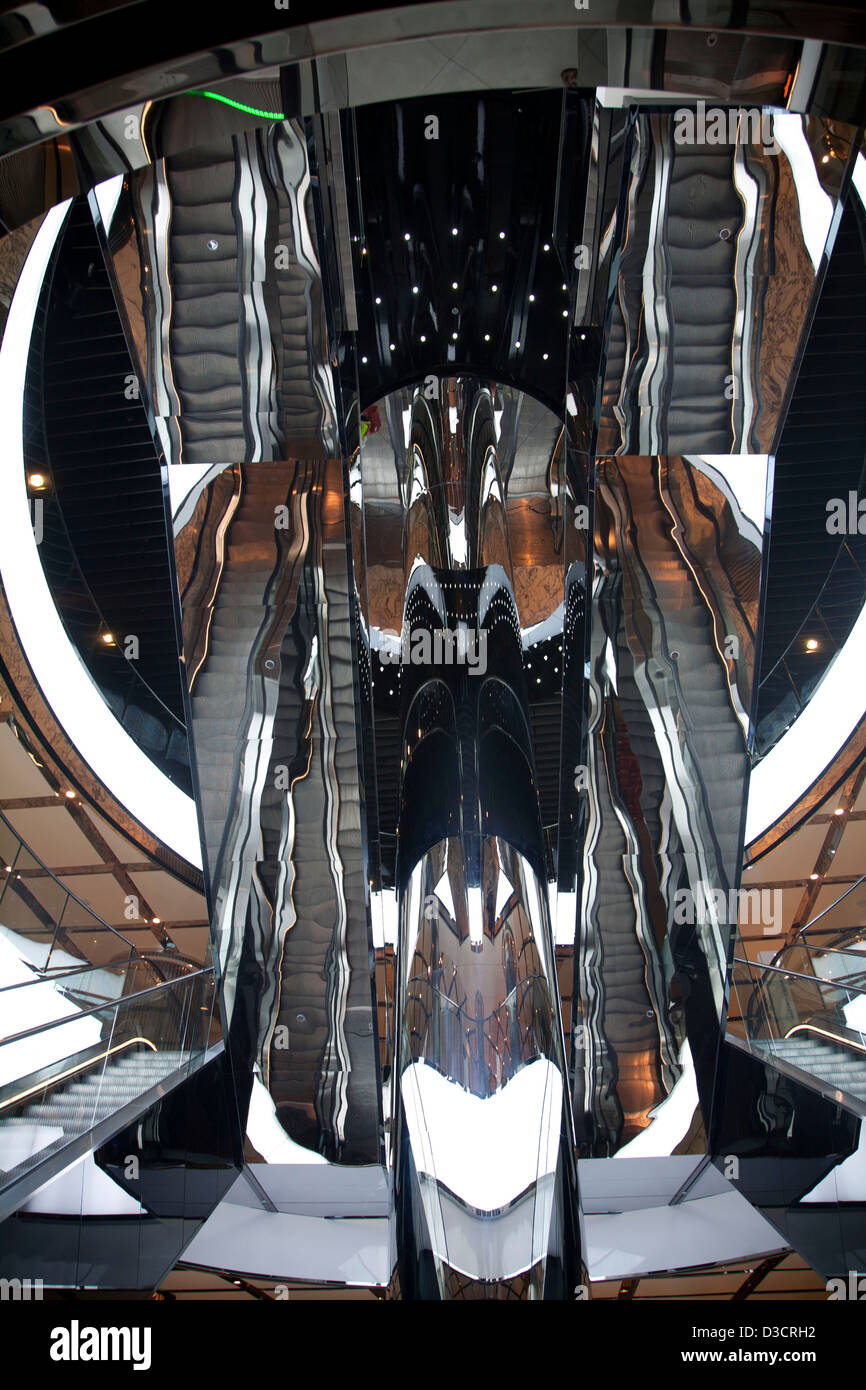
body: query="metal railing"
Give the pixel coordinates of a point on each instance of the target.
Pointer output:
(63, 1075)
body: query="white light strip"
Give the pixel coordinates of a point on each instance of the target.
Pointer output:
(813, 740)
(130, 776)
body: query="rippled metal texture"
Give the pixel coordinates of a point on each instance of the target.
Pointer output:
(723, 245)
(214, 253)
(675, 602)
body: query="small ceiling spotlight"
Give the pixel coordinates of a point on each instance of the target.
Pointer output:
(814, 877)
(70, 796)
(532, 299)
(156, 921)
(108, 639)
(453, 284)
(453, 231)
(487, 337)
(811, 644)
(37, 480)
(391, 347)
(378, 299)
(414, 289)
(363, 359)
(501, 236)
(454, 336)
(546, 246)
(544, 356)
(406, 236)
(423, 337)
(493, 289)
(839, 811)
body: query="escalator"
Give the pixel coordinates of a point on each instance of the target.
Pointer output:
(806, 1009)
(85, 1047)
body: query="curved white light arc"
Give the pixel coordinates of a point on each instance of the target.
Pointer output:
(813, 740)
(831, 716)
(130, 776)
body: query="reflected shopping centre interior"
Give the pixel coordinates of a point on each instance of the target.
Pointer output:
(432, 637)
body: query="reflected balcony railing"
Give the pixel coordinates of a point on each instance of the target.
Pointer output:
(478, 1054)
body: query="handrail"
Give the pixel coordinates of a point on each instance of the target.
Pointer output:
(823, 913)
(98, 1008)
(63, 972)
(824, 950)
(62, 885)
(797, 975)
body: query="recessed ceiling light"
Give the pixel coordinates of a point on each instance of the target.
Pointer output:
(544, 356)
(414, 289)
(391, 346)
(565, 313)
(363, 359)
(494, 288)
(811, 644)
(532, 299)
(36, 480)
(501, 236)
(453, 231)
(839, 811)
(517, 344)
(108, 639)
(487, 337)
(423, 337)
(70, 796)
(454, 336)
(453, 284)
(406, 236)
(814, 877)
(546, 246)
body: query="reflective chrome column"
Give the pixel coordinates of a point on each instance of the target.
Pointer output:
(485, 1175)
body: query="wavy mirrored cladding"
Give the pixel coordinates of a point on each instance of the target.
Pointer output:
(464, 415)
(726, 227)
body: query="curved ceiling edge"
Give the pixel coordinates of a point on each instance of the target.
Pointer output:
(130, 776)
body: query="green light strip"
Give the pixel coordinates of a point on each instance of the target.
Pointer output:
(239, 105)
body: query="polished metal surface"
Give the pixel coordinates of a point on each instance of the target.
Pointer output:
(466, 391)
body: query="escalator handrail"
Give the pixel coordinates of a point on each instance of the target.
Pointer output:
(122, 1001)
